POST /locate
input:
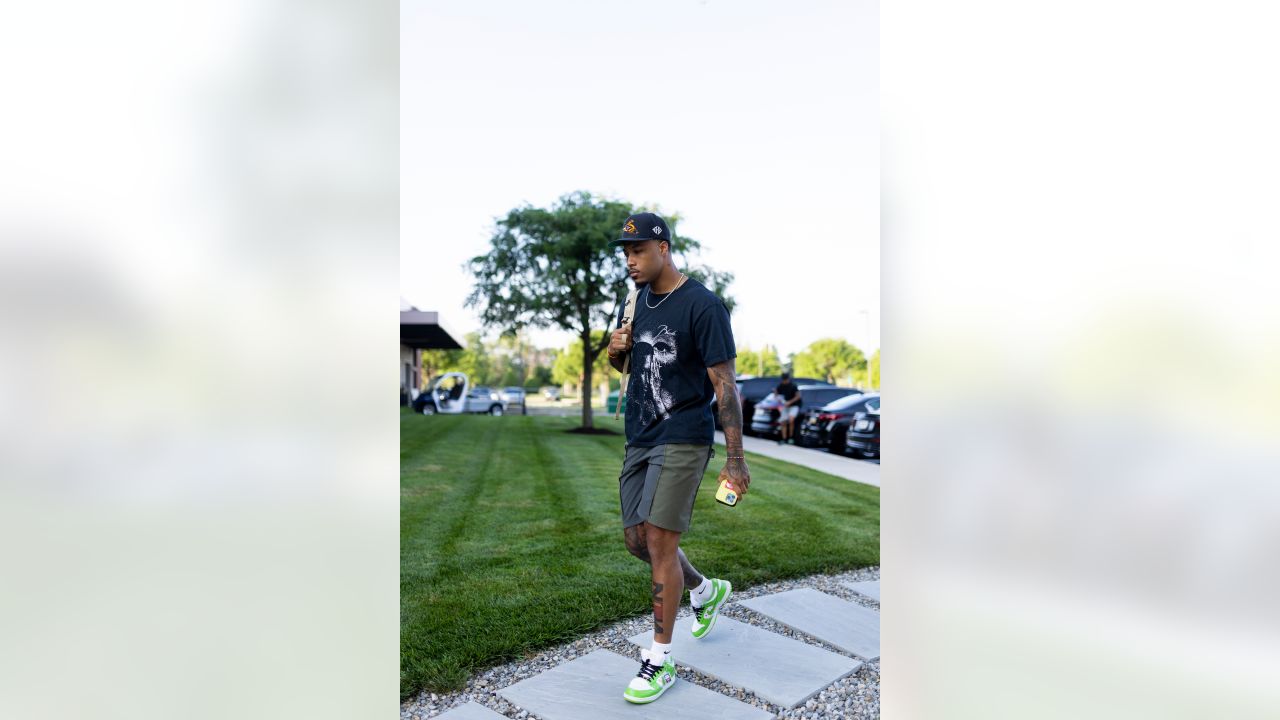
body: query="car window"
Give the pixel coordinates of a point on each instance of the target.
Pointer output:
(873, 404)
(818, 398)
(850, 402)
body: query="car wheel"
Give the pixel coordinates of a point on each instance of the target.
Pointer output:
(837, 444)
(496, 410)
(428, 410)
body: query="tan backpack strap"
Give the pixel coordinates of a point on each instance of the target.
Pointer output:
(628, 314)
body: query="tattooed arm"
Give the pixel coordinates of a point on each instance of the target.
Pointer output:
(724, 381)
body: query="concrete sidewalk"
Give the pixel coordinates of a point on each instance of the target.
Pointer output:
(856, 470)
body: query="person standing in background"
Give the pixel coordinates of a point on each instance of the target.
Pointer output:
(790, 395)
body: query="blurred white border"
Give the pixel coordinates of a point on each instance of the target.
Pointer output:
(1080, 502)
(198, 248)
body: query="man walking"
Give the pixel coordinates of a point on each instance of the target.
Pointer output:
(790, 395)
(681, 353)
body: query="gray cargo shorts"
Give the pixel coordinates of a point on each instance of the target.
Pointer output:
(659, 484)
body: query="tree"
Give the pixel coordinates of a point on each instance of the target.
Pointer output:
(873, 372)
(830, 359)
(540, 377)
(554, 267)
(474, 360)
(568, 366)
(435, 362)
(762, 363)
(510, 356)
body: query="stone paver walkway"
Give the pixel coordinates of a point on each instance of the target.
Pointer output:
(866, 588)
(839, 623)
(590, 688)
(735, 657)
(783, 671)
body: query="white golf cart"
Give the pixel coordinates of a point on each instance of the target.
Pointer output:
(452, 394)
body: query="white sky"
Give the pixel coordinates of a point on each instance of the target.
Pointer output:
(758, 122)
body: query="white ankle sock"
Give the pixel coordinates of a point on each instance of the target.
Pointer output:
(701, 594)
(659, 651)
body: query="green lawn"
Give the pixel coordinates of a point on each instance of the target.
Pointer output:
(510, 539)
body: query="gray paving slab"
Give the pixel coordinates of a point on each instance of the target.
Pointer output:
(590, 688)
(848, 626)
(866, 588)
(471, 711)
(783, 671)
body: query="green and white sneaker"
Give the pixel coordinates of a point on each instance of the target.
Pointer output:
(652, 680)
(704, 618)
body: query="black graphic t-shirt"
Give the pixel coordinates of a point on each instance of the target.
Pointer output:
(669, 395)
(787, 390)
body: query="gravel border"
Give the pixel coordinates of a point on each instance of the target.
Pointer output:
(855, 696)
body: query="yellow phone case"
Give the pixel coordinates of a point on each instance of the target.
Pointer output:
(726, 496)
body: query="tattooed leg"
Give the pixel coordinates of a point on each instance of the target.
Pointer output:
(637, 545)
(692, 578)
(668, 580)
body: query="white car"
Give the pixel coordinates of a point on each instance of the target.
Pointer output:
(452, 394)
(512, 395)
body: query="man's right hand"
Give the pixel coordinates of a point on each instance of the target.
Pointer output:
(620, 341)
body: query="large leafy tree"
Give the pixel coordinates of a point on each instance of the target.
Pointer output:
(759, 363)
(831, 359)
(554, 268)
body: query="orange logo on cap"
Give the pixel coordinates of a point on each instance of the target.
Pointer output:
(630, 227)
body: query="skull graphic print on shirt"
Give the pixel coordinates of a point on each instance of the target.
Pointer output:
(655, 401)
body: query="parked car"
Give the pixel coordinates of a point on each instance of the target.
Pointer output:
(764, 418)
(752, 390)
(551, 393)
(863, 436)
(826, 426)
(512, 396)
(452, 394)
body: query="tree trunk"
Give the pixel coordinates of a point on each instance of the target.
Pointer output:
(588, 391)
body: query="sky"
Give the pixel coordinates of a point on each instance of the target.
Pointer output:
(757, 122)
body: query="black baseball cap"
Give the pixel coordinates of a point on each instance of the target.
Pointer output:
(643, 226)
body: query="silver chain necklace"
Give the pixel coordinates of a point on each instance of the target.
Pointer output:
(648, 292)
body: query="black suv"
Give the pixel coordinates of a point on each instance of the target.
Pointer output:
(764, 419)
(752, 390)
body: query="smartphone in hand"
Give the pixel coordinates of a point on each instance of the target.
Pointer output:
(726, 496)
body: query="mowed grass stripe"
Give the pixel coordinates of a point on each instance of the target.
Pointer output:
(439, 488)
(539, 557)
